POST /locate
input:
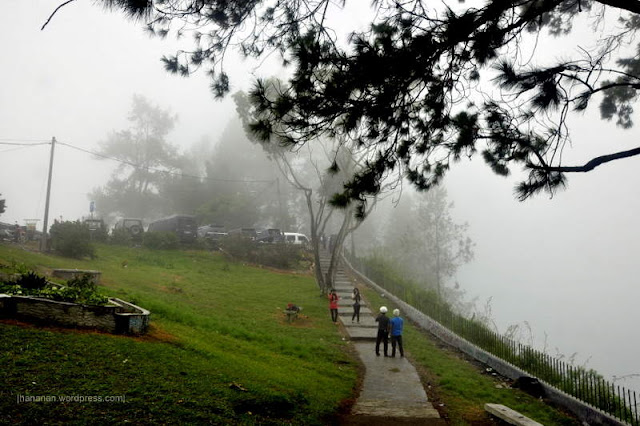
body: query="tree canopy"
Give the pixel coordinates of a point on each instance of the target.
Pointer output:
(144, 156)
(425, 83)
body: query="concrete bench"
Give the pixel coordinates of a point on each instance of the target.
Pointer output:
(510, 416)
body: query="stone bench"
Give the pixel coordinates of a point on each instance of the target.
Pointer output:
(69, 274)
(510, 416)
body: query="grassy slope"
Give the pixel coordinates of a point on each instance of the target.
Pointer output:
(459, 385)
(220, 350)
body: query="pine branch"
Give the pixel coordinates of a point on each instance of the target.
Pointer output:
(54, 12)
(592, 164)
(631, 6)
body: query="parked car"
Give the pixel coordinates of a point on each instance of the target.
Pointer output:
(184, 226)
(132, 225)
(295, 238)
(272, 235)
(97, 228)
(211, 232)
(94, 224)
(244, 232)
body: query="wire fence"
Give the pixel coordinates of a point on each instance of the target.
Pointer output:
(585, 385)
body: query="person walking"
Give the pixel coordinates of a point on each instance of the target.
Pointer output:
(333, 305)
(396, 323)
(383, 331)
(356, 304)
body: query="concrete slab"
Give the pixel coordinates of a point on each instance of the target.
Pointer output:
(362, 333)
(391, 388)
(365, 321)
(348, 310)
(510, 416)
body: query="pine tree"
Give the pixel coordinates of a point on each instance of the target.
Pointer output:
(425, 85)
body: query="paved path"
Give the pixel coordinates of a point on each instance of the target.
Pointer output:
(391, 390)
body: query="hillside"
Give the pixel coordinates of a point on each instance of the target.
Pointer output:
(219, 351)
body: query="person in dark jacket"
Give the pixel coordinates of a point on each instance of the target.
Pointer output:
(396, 324)
(356, 304)
(383, 331)
(333, 305)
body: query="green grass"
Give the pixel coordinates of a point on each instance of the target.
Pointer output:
(460, 385)
(220, 350)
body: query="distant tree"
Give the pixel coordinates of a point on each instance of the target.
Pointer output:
(241, 185)
(183, 191)
(2, 205)
(318, 176)
(232, 211)
(426, 242)
(416, 83)
(145, 156)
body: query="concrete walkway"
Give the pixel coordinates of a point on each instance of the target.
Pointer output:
(391, 390)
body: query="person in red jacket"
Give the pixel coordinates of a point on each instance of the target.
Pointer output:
(333, 305)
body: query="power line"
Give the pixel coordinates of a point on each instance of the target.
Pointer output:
(18, 142)
(139, 166)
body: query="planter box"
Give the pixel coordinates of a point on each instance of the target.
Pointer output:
(119, 317)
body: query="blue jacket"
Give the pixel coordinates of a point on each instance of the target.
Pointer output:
(396, 326)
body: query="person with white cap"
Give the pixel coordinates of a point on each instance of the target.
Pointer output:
(396, 324)
(383, 331)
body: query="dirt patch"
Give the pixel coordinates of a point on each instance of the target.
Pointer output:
(155, 333)
(54, 328)
(300, 321)
(171, 289)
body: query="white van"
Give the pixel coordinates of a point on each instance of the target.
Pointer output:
(295, 238)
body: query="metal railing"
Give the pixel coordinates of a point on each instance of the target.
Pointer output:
(585, 385)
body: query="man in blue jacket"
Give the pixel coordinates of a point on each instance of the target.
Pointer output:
(396, 324)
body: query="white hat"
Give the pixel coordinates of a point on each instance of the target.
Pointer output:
(396, 312)
(383, 309)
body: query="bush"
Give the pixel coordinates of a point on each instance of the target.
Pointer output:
(72, 239)
(120, 237)
(81, 290)
(31, 281)
(78, 290)
(160, 240)
(282, 256)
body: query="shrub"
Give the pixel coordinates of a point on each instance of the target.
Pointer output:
(31, 281)
(78, 290)
(283, 256)
(160, 240)
(120, 237)
(82, 290)
(72, 239)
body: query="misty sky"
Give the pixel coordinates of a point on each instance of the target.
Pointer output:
(567, 265)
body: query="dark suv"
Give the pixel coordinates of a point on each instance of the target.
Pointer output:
(131, 225)
(97, 229)
(183, 225)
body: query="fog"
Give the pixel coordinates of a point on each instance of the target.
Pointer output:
(567, 265)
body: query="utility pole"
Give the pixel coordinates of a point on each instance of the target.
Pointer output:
(280, 209)
(45, 236)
